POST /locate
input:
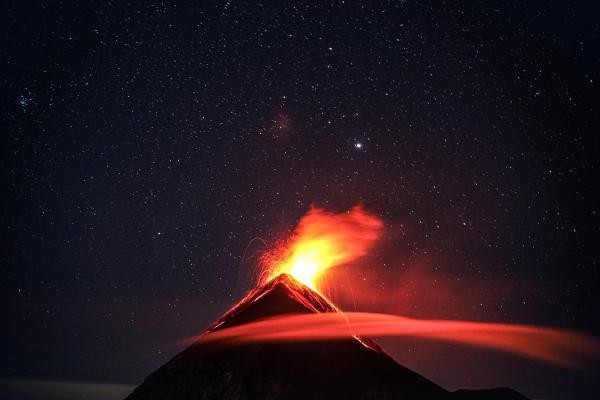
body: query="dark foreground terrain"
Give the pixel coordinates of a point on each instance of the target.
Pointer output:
(341, 369)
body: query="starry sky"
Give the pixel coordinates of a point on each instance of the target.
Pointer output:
(144, 146)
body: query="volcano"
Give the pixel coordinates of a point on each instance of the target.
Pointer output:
(352, 368)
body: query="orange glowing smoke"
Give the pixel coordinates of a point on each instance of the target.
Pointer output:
(557, 346)
(322, 240)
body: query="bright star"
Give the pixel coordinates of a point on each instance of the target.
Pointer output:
(358, 145)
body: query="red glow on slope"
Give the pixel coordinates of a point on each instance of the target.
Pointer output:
(551, 345)
(322, 240)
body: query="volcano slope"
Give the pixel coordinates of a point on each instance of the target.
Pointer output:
(340, 369)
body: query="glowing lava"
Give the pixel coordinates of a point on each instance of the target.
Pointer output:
(284, 309)
(322, 240)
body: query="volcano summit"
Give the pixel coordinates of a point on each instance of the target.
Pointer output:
(352, 368)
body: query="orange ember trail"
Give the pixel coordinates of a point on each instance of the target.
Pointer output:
(322, 240)
(556, 346)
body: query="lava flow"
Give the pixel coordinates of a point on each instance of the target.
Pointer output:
(322, 240)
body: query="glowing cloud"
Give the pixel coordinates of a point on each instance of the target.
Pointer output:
(556, 346)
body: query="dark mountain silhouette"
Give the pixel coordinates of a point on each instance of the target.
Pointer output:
(341, 369)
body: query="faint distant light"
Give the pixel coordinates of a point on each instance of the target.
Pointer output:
(24, 101)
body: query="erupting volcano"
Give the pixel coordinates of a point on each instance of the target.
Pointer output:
(345, 368)
(285, 339)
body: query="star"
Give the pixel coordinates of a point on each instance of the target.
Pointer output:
(24, 101)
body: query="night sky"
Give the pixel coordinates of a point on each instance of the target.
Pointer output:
(144, 145)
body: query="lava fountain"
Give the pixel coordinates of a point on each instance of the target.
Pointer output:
(322, 240)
